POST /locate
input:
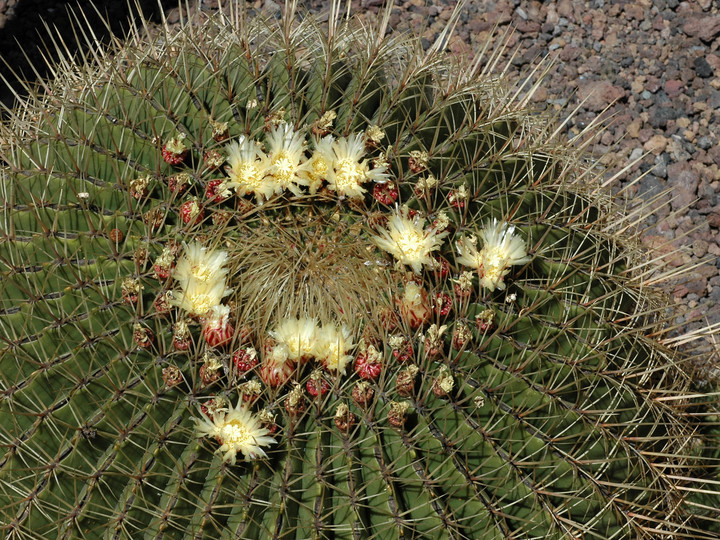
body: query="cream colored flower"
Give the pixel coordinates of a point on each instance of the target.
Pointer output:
(217, 316)
(299, 335)
(201, 264)
(238, 430)
(331, 347)
(501, 250)
(247, 168)
(350, 170)
(433, 336)
(286, 159)
(396, 341)
(198, 297)
(442, 221)
(320, 163)
(408, 241)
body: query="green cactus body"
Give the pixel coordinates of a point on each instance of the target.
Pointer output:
(543, 423)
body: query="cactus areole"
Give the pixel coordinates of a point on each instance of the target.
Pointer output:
(439, 332)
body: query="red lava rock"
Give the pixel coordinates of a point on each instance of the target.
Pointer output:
(673, 88)
(705, 28)
(565, 9)
(528, 27)
(713, 219)
(714, 61)
(634, 12)
(569, 53)
(685, 182)
(599, 94)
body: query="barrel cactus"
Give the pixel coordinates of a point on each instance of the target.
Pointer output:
(262, 279)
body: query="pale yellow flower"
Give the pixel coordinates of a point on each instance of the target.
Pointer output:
(501, 249)
(247, 169)
(286, 159)
(238, 430)
(198, 297)
(176, 144)
(408, 241)
(332, 345)
(374, 134)
(299, 335)
(350, 170)
(201, 264)
(320, 163)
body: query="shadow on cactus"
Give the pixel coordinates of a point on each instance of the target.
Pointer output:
(261, 281)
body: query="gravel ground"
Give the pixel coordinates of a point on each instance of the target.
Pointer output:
(653, 67)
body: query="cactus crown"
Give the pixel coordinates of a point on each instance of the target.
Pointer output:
(261, 279)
